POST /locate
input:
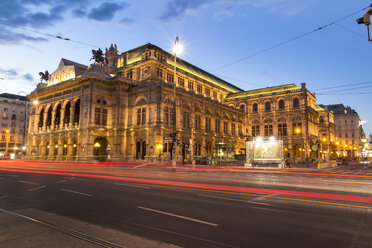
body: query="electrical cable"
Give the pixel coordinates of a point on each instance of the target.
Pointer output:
(50, 35)
(292, 39)
(342, 86)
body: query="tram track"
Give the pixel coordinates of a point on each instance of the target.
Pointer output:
(70, 232)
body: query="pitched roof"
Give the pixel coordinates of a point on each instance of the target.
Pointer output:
(69, 62)
(13, 96)
(135, 55)
(286, 88)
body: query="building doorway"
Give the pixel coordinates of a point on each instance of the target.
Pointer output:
(140, 150)
(100, 148)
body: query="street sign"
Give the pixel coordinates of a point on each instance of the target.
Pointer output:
(167, 139)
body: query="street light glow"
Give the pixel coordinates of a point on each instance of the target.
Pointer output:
(97, 145)
(177, 48)
(259, 139)
(35, 102)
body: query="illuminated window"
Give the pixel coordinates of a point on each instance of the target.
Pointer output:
(282, 129)
(268, 130)
(191, 85)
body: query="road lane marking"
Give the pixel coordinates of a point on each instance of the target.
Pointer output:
(263, 197)
(21, 181)
(61, 181)
(41, 187)
(232, 199)
(136, 186)
(75, 192)
(141, 165)
(333, 181)
(4, 196)
(178, 216)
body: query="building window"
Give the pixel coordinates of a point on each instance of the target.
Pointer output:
(225, 127)
(159, 73)
(240, 130)
(345, 121)
(207, 92)
(268, 130)
(352, 142)
(255, 108)
(346, 135)
(170, 78)
(353, 135)
(214, 95)
(197, 122)
(130, 74)
(217, 126)
(191, 85)
(181, 82)
(199, 88)
(267, 106)
(186, 120)
(141, 116)
(168, 115)
(282, 129)
(14, 117)
(233, 128)
(104, 116)
(255, 131)
(296, 103)
(281, 104)
(97, 116)
(207, 124)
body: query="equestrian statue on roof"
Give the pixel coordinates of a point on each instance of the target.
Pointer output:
(98, 57)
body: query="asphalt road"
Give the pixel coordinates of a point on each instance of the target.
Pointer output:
(205, 217)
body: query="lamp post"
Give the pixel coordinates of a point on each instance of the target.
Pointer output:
(177, 49)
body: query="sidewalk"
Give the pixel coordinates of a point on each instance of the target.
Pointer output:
(19, 232)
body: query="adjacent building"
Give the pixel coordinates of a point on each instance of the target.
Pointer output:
(14, 122)
(348, 132)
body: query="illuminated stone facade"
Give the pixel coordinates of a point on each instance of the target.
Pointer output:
(286, 112)
(124, 111)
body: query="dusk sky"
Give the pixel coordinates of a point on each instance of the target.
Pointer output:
(215, 33)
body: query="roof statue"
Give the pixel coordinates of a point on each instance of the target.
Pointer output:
(112, 51)
(98, 57)
(44, 76)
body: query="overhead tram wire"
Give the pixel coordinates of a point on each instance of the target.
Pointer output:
(292, 39)
(342, 86)
(50, 35)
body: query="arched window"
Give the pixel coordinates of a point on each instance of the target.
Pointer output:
(77, 112)
(281, 104)
(66, 118)
(254, 108)
(242, 107)
(57, 118)
(49, 117)
(41, 118)
(296, 103)
(267, 106)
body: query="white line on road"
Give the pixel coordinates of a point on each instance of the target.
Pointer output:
(61, 181)
(136, 186)
(75, 192)
(178, 216)
(263, 197)
(141, 165)
(232, 199)
(4, 196)
(41, 187)
(21, 181)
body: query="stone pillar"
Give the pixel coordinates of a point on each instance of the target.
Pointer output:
(53, 118)
(72, 113)
(61, 124)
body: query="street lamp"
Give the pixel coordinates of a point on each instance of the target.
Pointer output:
(177, 49)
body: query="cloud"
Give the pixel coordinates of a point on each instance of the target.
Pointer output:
(106, 11)
(176, 9)
(126, 21)
(45, 13)
(219, 15)
(28, 77)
